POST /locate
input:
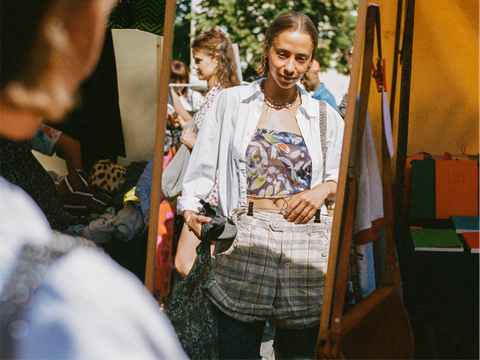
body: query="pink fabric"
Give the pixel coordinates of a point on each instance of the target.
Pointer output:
(163, 258)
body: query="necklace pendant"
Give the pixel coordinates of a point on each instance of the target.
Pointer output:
(269, 109)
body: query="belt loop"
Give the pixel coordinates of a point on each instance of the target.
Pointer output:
(309, 228)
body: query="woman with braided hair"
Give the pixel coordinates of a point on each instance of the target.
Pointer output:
(274, 152)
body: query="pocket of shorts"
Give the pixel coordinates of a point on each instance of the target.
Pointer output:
(327, 221)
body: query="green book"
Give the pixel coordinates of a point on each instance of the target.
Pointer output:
(436, 240)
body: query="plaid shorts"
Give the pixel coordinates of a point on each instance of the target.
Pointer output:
(274, 270)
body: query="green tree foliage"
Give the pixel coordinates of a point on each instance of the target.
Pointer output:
(247, 22)
(181, 36)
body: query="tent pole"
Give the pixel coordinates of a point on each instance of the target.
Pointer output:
(403, 117)
(168, 29)
(398, 29)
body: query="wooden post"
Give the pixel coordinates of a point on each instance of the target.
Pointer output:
(163, 89)
(404, 110)
(396, 53)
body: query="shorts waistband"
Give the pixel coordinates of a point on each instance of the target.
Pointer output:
(274, 220)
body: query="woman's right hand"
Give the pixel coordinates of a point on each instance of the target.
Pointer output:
(188, 138)
(194, 221)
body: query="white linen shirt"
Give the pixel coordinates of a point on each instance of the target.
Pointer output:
(223, 139)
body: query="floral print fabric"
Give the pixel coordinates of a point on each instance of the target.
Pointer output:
(278, 164)
(45, 139)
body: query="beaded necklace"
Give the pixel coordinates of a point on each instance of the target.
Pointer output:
(276, 105)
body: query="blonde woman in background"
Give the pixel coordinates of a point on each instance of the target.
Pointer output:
(214, 62)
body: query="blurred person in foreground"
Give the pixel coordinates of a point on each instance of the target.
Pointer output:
(83, 304)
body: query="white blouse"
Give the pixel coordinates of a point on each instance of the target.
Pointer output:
(225, 135)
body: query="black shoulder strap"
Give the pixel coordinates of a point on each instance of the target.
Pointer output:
(28, 275)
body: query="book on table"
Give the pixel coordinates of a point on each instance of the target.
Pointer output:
(436, 240)
(471, 241)
(465, 223)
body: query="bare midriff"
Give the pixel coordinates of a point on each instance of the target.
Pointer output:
(276, 205)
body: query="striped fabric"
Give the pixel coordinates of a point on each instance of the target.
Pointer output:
(79, 198)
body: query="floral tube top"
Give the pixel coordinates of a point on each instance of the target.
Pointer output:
(278, 164)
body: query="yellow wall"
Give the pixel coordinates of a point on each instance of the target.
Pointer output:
(444, 102)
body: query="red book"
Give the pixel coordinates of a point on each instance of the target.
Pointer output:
(471, 239)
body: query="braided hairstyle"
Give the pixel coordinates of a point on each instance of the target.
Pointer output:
(216, 42)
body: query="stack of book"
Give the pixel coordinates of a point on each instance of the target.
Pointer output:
(464, 236)
(468, 229)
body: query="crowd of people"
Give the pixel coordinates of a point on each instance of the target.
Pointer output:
(267, 153)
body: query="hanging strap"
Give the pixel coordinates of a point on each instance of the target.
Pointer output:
(322, 111)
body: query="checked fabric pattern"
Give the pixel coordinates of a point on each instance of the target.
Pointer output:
(146, 15)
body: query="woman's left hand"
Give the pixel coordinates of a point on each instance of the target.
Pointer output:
(303, 208)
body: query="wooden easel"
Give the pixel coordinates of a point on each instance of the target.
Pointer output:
(342, 232)
(347, 165)
(159, 143)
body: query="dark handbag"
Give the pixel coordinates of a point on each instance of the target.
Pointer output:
(220, 228)
(192, 313)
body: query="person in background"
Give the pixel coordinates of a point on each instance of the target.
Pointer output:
(215, 63)
(343, 104)
(181, 75)
(49, 140)
(262, 144)
(87, 307)
(312, 83)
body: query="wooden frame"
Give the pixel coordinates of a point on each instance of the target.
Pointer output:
(155, 196)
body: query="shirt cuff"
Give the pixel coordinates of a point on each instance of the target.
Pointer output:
(188, 203)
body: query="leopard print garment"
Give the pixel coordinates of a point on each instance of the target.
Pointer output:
(107, 176)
